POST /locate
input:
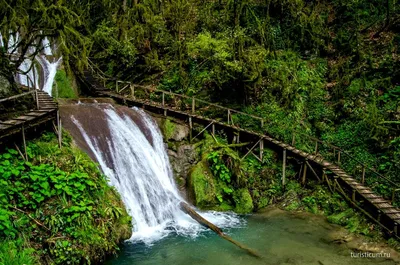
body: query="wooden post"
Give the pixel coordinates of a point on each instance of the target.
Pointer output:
(262, 124)
(353, 196)
(190, 129)
(37, 99)
(116, 86)
(24, 142)
(338, 159)
(284, 168)
(293, 139)
(363, 175)
(229, 115)
(379, 215)
(262, 149)
(303, 181)
(334, 184)
(163, 98)
(132, 91)
(238, 138)
(213, 129)
(393, 195)
(316, 147)
(395, 228)
(324, 175)
(34, 76)
(193, 105)
(59, 129)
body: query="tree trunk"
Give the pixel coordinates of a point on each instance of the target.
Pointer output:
(188, 210)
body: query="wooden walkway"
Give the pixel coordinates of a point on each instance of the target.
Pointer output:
(46, 110)
(379, 209)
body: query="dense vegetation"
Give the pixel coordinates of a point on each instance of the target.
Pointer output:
(327, 68)
(56, 207)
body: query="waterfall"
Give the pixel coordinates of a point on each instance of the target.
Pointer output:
(46, 59)
(49, 69)
(130, 150)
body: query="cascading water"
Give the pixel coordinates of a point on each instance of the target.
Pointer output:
(49, 69)
(29, 75)
(130, 150)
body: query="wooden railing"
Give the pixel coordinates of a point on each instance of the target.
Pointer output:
(329, 152)
(32, 92)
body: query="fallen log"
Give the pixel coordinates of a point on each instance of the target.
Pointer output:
(188, 210)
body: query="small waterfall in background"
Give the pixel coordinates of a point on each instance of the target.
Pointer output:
(49, 69)
(48, 64)
(129, 148)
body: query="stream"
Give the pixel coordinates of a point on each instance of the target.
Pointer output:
(280, 237)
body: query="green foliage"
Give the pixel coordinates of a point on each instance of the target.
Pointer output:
(63, 88)
(60, 202)
(169, 129)
(218, 167)
(15, 253)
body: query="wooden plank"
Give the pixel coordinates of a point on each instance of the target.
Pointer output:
(24, 118)
(4, 126)
(47, 107)
(35, 114)
(391, 211)
(369, 195)
(384, 205)
(12, 122)
(378, 200)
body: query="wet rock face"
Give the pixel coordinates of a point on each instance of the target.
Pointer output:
(5, 87)
(182, 160)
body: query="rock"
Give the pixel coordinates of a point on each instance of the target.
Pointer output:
(183, 159)
(5, 87)
(243, 201)
(201, 186)
(173, 130)
(290, 201)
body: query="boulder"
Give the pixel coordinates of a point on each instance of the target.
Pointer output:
(5, 87)
(201, 186)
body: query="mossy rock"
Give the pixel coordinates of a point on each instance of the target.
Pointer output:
(202, 186)
(172, 130)
(63, 87)
(243, 201)
(5, 87)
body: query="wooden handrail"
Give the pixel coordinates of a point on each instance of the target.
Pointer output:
(336, 148)
(17, 96)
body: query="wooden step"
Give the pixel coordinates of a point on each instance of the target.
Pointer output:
(369, 195)
(12, 122)
(391, 211)
(24, 118)
(378, 200)
(35, 114)
(48, 108)
(4, 126)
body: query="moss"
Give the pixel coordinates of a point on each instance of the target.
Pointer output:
(243, 201)
(202, 186)
(293, 206)
(168, 129)
(63, 87)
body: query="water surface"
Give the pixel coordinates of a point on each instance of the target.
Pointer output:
(280, 237)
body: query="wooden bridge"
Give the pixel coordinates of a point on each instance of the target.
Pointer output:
(324, 162)
(46, 109)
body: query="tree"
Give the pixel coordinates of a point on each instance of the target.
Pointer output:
(25, 24)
